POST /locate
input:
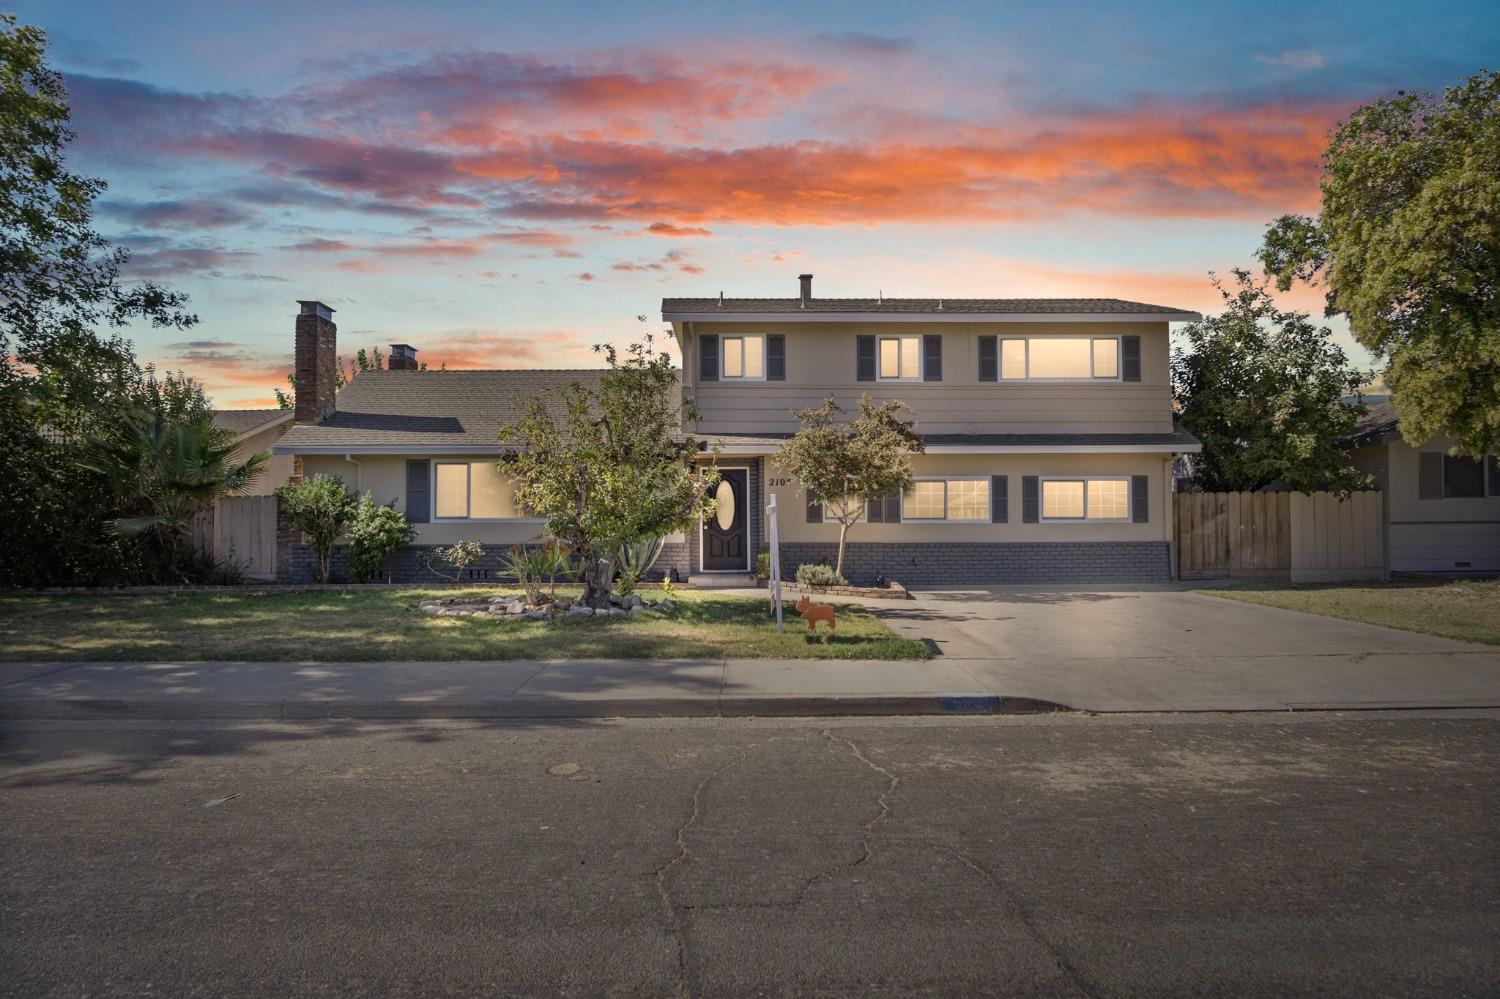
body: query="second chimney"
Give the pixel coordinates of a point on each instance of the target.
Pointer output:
(403, 358)
(317, 365)
(806, 280)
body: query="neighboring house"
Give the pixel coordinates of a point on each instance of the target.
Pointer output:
(258, 430)
(1048, 426)
(1442, 512)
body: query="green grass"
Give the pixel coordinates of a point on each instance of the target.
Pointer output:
(369, 625)
(1467, 610)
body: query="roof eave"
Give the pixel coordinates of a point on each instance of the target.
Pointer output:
(931, 317)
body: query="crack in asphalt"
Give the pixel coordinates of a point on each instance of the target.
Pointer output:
(885, 805)
(1027, 919)
(679, 931)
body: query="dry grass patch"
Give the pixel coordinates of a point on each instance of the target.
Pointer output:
(1468, 610)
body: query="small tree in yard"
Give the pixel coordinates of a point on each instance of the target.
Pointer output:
(321, 508)
(1265, 390)
(846, 465)
(612, 467)
(375, 532)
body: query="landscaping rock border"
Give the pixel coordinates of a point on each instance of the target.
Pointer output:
(894, 591)
(630, 605)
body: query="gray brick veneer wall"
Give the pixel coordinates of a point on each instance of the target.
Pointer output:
(967, 563)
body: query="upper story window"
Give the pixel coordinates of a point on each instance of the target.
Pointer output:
(744, 357)
(1059, 358)
(472, 490)
(1086, 499)
(900, 358)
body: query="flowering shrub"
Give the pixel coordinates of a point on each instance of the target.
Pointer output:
(375, 533)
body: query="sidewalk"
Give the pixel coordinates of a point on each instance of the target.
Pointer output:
(741, 687)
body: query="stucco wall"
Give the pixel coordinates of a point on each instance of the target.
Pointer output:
(1432, 535)
(277, 470)
(820, 359)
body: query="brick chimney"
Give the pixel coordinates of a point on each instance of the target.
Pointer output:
(316, 360)
(806, 280)
(403, 358)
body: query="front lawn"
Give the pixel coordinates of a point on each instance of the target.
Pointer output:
(1468, 610)
(333, 625)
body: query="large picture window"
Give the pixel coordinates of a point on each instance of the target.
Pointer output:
(947, 500)
(472, 490)
(1060, 358)
(744, 357)
(1103, 499)
(900, 358)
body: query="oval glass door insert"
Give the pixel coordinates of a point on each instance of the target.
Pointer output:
(724, 505)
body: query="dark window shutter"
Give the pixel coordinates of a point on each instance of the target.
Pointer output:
(814, 508)
(1430, 475)
(1031, 499)
(419, 492)
(864, 358)
(999, 498)
(884, 509)
(1494, 463)
(1130, 358)
(1140, 499)
(989, 359)
(708, 358)
(932, 358)
(776, 357)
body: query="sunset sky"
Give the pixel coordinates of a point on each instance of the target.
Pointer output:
(502, 186)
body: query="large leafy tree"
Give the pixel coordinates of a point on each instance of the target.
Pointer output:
(611, 466)
(847, 464)
(1267, 392)
(1408, 246)
(65, 370)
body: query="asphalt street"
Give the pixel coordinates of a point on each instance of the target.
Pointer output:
(1353, 854)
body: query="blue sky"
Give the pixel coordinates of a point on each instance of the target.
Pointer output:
(505, 185)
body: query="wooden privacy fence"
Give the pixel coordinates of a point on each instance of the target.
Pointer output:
(242, 530)
(1291, 536)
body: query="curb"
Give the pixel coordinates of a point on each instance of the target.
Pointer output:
(79, 709)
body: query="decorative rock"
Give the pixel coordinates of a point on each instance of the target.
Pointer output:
(618, 612)
(580, 611)
(665, 604)
(637, 609)
(516, 606)
(536, 615)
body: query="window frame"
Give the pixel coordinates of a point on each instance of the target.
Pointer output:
(1116, 339)
(898, 338)
(1041, 499)
(989, 506)
(1484, 477)
(468, 463)
(724, 341)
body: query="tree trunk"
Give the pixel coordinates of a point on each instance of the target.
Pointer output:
(843, 533)
(324, 558)
(598, 581)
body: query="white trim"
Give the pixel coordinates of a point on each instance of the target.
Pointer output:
(411, 450)
(765, 355)
(921, 374)
(1092, 379)
(931, 317)
(703, 524)
(1041, 499)
(432, 498)
(989, 509)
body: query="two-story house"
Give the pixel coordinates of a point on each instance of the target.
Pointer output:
(1047, 425)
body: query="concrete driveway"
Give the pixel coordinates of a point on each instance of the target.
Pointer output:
(1167, 648)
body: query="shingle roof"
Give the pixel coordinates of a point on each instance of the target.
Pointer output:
(1379, 419)
(924, 306)
(425, 409)
(241, 420)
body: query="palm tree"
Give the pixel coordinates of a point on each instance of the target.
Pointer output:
(167, 469)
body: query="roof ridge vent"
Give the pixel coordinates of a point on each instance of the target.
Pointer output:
(940, 305)
(881, 293)
(721, 300)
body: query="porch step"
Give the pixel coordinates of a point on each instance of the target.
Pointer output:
(721, 580)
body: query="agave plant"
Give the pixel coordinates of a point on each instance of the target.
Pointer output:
(166, 470)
